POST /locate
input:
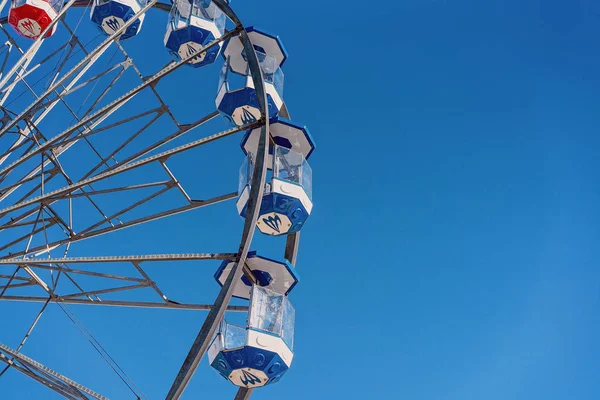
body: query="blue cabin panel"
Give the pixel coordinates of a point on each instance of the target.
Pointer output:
(241, 107)
(111, 15)
(221, 365)
(280, 214)
(182, 43)
(193, 25)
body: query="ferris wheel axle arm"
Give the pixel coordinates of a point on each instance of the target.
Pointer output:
(108, 219)
(168, 183)
(123, 64)
(159, 111)
(57, 382)
(120, 259)
(183, 129)
(104, 291)
(47, 173)
(195, 205)
(29, 282)
(15, 221)
(113, 153)
(169, 305)
(28, 235)
(16, 278)
(61, 265)
(60, 268)
(123, 168)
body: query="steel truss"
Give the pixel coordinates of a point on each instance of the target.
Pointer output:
(64, 267)
(55, 381)
(39, 198)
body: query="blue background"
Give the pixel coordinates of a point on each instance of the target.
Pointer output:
(453, 249)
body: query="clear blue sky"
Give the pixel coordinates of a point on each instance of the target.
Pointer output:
(453, 249)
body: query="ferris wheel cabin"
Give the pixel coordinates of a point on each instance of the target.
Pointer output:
(31, 17)
(236, 99)
(287, 201)
(110, 15)
(278, 276)
(260, 353)
(193, 24)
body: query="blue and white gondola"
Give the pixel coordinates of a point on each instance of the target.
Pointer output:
(263, 42)
(287, 200)
(284, 133)
(262, 352)
(237, 101)
(278, 276)
(110, 15)
(193, 24)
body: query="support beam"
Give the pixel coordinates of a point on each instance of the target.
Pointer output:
(243, 394)
(113, 259)
(52, 379)
(124, 168)
(170, 305)
(195, 205)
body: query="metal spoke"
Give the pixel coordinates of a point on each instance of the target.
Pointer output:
(57, 382)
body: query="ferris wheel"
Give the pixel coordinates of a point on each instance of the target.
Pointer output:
(90, 126)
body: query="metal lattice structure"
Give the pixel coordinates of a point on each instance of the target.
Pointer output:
(56, 95)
